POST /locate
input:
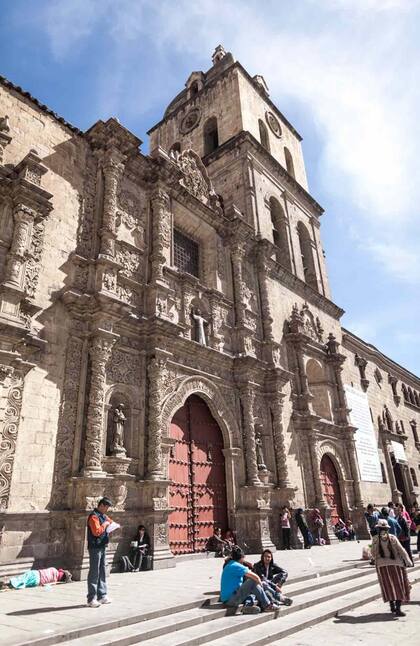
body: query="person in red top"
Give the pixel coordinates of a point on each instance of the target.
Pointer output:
(98, 539)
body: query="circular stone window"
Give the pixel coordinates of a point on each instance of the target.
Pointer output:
(190, 121)
(273, 123)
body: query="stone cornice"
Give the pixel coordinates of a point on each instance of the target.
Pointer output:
(41, 106)
(249, 144)
(301, 288)
(356, 344)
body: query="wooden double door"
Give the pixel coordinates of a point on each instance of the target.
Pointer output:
(331, 488)
(197, 493)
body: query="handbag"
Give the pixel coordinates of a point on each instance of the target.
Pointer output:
(147, 563)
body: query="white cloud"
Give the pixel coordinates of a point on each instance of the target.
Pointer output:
(352, 64)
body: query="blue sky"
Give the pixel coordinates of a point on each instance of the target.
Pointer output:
(345, 73)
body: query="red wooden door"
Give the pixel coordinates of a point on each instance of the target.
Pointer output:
(197, 471)
(331, 488)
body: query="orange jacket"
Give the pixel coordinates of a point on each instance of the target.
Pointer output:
(95, 525)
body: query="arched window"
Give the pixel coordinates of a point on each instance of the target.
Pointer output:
(405, 394)
(280, 238)
(289, 162)
(307, 256)
(265, 141)
(318, 387)
(411, 396)
(211, 135)
(384, 480)
(414, 477)
(175, 149)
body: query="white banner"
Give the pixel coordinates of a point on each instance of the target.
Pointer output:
(366, 444)
(399, 451)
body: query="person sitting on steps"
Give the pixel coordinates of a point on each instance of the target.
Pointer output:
(217, 545)
(238, 583)
(140, 546)
(272, 577)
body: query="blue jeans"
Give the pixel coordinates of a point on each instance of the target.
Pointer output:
(249, 587)
(97, 574)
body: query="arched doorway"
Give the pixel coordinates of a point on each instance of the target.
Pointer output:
(197, 492)
(331, 488)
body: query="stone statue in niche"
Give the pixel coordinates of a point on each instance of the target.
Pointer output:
(259, 449)
(119, 419)
(200, 323)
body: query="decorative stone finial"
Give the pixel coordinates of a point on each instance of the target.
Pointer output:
(4, 124)
(218, 54)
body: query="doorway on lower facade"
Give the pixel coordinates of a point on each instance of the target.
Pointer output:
(331, 488)
(400, 481)
(197, 493)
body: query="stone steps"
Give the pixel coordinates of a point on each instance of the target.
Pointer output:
(316, 597)
(212, 623)
(317, 579)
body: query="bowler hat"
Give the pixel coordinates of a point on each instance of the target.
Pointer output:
(382, 524)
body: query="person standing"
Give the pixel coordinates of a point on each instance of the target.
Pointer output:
(285, 527)
(303, 526)
(317, 525)
(394, 526)
(372, 517)
(392, 512)
(404, 535)
(391, 561)
(98, 539)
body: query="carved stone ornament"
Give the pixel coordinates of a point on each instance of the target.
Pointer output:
(196, 180)
(161, 534)
(303, 322)
(123, 368)
(273, 123)
(8, 437)
(190, 121)
(119, 420)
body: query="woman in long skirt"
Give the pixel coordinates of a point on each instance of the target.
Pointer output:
(391, 561)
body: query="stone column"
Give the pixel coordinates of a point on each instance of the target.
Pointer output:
(267, 319)
(336, 363)
(303, 379)
(276, 406)
(16, 258)
(11, 390)
(319, 498)
(158, 376)
(351, 452)
(113, 168)
(251, 467)
(100, 351)
(391, 477)
(238, 253)
(161, 236)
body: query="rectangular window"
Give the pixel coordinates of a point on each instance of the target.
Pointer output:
(186, 254)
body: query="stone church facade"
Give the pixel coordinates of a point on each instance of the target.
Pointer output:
(168, 336)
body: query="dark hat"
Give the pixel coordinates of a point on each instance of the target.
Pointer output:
(105, 501)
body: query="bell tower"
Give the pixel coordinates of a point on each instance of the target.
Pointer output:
(254, 158)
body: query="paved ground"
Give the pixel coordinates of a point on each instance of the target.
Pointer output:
(371, 625)
(28, 614)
